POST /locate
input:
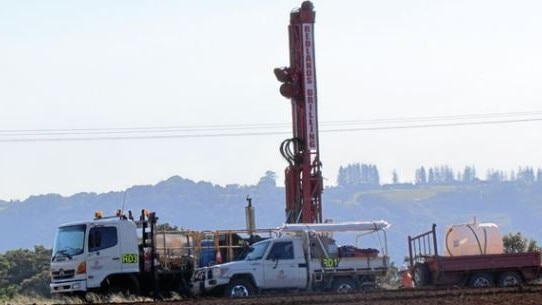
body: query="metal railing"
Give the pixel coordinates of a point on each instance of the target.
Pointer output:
(422, 246)
(174, 246)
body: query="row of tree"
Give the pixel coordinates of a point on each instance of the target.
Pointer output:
(358, 174)
(361, 174)
(444, 175)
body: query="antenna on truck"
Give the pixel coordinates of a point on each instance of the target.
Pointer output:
(124, 201)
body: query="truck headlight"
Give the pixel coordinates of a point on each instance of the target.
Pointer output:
(218, 272)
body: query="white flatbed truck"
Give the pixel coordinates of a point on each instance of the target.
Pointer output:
(304, 257)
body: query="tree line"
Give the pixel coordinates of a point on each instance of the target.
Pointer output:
(367, 175)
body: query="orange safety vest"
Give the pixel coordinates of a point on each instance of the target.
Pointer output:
(406, 280)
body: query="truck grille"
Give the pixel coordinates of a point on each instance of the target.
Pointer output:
(63, 274)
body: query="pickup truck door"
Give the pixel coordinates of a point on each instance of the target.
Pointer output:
(283, 268)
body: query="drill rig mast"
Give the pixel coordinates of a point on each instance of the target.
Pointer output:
(303, 176)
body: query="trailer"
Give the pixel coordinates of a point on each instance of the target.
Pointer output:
(428, 268)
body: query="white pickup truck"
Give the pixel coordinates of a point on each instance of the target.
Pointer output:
(303, 257)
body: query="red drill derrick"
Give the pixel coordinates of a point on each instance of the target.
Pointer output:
(303, 176)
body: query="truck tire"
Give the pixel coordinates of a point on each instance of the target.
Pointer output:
(508, 279)
(421, 275)
(184, 288)
(123, 286)
(344, 285)
(239, 288)
(481, 280)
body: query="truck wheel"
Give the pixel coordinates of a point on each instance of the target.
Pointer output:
(481, 280)
(344, 285)
(367, 287)
(124, 286)
(239, 288)
(114, 291)
(422, 275)
(509, 279)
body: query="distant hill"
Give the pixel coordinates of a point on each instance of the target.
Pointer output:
(411, 209)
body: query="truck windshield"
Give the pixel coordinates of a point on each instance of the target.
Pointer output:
(257, 251)
(69, 241)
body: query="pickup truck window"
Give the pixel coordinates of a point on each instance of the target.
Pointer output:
(257, 251)
(281, 250)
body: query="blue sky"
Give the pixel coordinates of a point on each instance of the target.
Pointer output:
(111, 65)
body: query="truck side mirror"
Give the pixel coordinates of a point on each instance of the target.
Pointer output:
(276, 259)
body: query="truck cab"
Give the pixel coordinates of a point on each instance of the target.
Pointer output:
(89, 255)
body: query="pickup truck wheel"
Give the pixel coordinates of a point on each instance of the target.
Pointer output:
(239, 288)
(509, 279)
(481, 280)
(422, 275)
(344, 285)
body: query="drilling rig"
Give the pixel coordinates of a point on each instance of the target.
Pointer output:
(303, 175)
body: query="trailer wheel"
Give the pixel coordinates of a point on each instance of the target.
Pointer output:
(511, 278)
(344, 285)
(422, 275)
(239, 288)
(481, 280)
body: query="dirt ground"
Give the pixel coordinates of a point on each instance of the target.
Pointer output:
(508, 296)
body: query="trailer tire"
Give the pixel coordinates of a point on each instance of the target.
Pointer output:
(510, 278)
(421, 275)
(481, 280)
(344, 285)
(239, 288)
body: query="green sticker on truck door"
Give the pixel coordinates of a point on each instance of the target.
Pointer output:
(330, 262)
(129, 258)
